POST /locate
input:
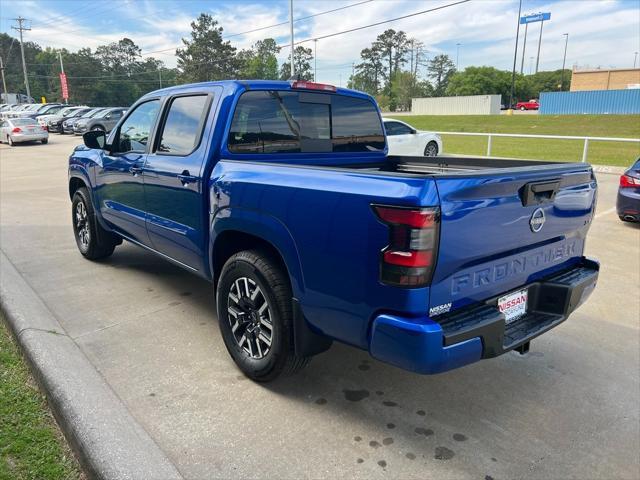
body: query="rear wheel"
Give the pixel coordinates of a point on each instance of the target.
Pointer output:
(254, 304)
(10, 141)
(522, 109)
(98, 128)
(94, 242)
(431, 150)
(45, 141)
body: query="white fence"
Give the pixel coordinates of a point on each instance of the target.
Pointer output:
(586, 140)
(464, 105)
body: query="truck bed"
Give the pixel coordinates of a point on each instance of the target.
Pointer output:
(433, 166)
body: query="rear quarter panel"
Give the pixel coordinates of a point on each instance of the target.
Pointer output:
(332, 229)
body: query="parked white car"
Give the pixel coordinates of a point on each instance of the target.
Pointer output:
(19, 130)
(405, 140)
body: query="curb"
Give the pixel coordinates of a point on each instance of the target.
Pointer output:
(109, 442)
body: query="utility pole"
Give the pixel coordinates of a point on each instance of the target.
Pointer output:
(160, 76)
(315, 59)
(635, 58)
(564, 59)
(539, 43)
(293, 68)
(4, 83)
(524, 47)
(515, 58)
(20, 29)
(457, 54)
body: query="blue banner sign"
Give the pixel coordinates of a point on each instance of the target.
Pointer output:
(536, 17)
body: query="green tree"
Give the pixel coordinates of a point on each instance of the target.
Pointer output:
(439, 70)
(490, 81)
(404, 87)
(550, 81)
(206, 56)
(260, 61)
(393, 47)
(302, 58)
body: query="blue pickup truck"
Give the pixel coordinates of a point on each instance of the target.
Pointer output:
(282, 195)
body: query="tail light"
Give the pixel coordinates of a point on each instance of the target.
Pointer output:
(627, 181)
(16, 130)
(409, 259)
(43, 128)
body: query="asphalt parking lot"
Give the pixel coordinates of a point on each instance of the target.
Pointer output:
(568, 409)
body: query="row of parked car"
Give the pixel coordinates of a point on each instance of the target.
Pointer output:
(34, 122)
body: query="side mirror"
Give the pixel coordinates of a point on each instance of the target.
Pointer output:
(95, 139)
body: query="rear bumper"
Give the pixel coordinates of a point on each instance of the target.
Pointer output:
(19, 138)
(628, 205)
(468, 335)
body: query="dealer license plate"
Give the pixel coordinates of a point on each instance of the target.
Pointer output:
(513, 305)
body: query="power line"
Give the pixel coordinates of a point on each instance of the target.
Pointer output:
(271, 26)
(441, 7)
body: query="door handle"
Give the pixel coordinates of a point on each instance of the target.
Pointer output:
(186, 178)
(535, 193)
(135, 171)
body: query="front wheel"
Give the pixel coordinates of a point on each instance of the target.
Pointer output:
(522, 109)
(93, 241)
(431, 150)
(254, 304)
(97, 128)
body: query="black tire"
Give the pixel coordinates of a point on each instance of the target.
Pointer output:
(45, 141)
(93, 241)
(522, 109)
(260, 271)
(431, 149)
(99, 128)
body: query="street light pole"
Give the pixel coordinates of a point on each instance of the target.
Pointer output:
(457, 54)
(564, 59)
(315, 59)
(293, 68)
(524, 47)
(539, 44)
(515, 58)
(635, 58)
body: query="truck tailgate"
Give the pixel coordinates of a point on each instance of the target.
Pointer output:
(504, 229)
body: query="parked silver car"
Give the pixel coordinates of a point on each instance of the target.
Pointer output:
(105, 121)
(19, 130)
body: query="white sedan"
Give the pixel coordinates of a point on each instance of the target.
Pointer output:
(405, 140)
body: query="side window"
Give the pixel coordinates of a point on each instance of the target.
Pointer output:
(395, 128)
(115, 115)
(183, 126)
(134, 133)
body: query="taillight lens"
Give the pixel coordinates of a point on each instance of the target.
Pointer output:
(409, 259)
(16, 130)
(627, 181)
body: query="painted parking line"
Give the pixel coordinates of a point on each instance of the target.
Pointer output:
(606, 212)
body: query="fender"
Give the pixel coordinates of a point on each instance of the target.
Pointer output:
(307, 342)
(266, 227)
(77, 170)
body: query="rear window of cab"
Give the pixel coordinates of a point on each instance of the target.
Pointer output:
(274, 121)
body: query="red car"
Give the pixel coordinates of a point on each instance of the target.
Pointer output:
(530, 105)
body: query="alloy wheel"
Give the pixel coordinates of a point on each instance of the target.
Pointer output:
(250, 317)
(82, 225)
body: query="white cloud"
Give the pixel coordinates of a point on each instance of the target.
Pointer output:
(603, 33)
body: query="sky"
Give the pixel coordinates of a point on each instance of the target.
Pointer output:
(602, 33)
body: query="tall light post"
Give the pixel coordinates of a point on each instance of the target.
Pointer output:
(457, 54)
(315, 59)
(564, 59)
(515, 57)
(293, 68)
(635, 58)
(524, 46)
